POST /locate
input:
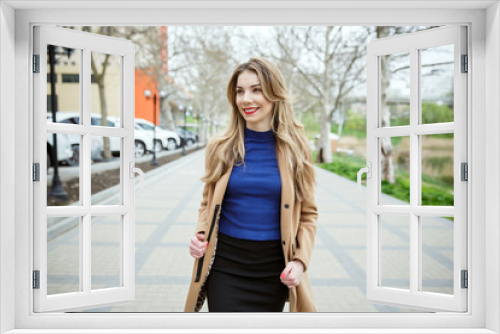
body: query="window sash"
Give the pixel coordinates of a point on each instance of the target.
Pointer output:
(87, 297)
(413, 298)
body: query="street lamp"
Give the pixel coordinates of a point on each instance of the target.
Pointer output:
(147, 94)
(56, 190)
(187, 112)
(183, 131)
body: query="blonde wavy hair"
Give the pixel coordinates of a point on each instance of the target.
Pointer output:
(289, 133)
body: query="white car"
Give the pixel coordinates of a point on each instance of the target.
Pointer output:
(74, 140)
(165, 139)
(143, 139)
(65, 151)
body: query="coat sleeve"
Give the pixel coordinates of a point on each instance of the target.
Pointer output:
(203, 210)
(306, 231)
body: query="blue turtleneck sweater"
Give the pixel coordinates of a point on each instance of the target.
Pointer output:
(251, 206)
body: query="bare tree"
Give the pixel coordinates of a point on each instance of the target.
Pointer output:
(387, 71)
(152, 58)
(204, 65)
(329, 61)
(99, 65)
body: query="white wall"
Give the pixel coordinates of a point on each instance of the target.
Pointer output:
(492, 165)
(7, 39)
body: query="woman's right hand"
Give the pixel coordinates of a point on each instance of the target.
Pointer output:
(198, 247)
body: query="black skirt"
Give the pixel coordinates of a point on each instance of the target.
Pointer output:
(245, 276)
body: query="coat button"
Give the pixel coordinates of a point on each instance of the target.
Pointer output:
(287, 206)
(283, 242)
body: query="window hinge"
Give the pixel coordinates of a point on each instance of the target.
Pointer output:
(36, 279)
(36, 172)
(465, 64)
(465, 279)
(465, 171)
(36, 63)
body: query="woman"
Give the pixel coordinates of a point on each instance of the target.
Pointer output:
(258, 206)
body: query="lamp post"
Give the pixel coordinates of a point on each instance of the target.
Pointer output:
(183, 109)
(186, 113)
(163, 95)
(56, 190)
(147, 94)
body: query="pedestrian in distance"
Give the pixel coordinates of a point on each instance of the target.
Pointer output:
(257, 219)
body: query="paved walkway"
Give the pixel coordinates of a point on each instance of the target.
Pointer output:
(166, 215)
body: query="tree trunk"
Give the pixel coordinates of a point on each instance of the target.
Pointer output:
(324, 137)
(169, 119)
(341, 120)
(106, 153)
(203, 135)
(386, 145)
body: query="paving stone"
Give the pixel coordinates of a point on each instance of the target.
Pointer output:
(166, 216)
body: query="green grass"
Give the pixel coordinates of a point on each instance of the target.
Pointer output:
(435, 191)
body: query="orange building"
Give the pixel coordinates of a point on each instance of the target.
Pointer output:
(144, 81)
(144, 106)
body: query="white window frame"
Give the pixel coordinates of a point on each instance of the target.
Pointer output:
(483, 210)
(413, 43)
(85, 44)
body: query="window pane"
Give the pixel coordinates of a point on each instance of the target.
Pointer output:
(105, 179)
(71, 78)
(395, 170)
(437, 254)
(106, 89)
(63, 255)
(437, 87)
(106, 252)
(65, 188)
(395, 251)
(437, 169)
(395, 89)
(67, 90)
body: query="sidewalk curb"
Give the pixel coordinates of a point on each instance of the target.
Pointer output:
(60, 226)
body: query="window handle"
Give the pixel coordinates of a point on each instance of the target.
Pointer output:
(139, 171)
(368, 171)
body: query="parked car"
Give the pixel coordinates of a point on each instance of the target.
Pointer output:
(190, 132)
(188, 138)
(96, 148)
(143, 140)
(69, 143)
(165, 139)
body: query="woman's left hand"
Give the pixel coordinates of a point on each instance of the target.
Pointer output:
(292, 274)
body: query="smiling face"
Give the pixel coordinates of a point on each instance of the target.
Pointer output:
(251, 102)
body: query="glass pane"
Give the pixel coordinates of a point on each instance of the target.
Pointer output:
(63, 254)
(437, 84)
(105, 89)
(437, 254)
(395, 170)
(106, 252)
(395, 89)
(65, 83)
(63, 177)
(437, 169)
(105, 179)
(395, 251)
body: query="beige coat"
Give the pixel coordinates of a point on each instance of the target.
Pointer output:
(298, 230)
